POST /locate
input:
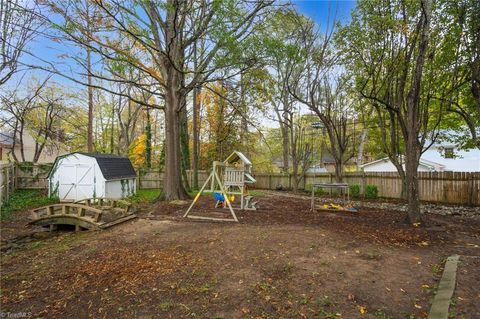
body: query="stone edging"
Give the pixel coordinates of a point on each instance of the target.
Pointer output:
(441, 302)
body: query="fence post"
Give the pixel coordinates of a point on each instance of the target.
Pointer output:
(1, 186)
(7, 183)
(13, 179)
(269, 181)
(14, 176)
(364, 182)
(471, 190)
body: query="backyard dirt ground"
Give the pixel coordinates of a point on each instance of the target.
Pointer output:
(281, 261)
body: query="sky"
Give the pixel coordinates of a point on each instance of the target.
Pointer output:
(324, 13)
(325, 10)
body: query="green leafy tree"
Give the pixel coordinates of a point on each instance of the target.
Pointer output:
(388, 47)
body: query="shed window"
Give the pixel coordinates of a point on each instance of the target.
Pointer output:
(449, 153)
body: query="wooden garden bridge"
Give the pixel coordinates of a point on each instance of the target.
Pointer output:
(90, 213)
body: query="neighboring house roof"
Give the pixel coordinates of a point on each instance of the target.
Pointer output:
(235, 156)
(112, 166)
(464, 160)
(429, 164)
(6, 138)
(432, 164)
(327, 158)
(317, 169)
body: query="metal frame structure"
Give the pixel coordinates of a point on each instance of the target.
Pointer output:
(329, 186)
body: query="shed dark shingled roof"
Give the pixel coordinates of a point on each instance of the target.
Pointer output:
(113, 166)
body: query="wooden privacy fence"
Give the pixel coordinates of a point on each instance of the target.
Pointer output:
(32, 176)
(7, 181)
(154, 179)
(444, 187)
(24, 175)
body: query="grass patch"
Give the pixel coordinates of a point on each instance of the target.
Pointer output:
(256, 193)
(166, 305)
(144, 196)
(436, 268)
(23, 199)
(193, 192)
(380, 314)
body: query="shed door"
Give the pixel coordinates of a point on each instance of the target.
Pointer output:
(76, 181)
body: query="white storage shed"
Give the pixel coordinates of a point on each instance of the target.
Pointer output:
(79, 176)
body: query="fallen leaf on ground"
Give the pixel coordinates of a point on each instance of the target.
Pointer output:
(362, 310)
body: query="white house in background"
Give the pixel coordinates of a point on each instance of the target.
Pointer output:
(52, 149)
(79, 176)
(314, 169)
(438, 158)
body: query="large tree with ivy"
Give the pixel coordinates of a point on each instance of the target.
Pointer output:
(161, 38)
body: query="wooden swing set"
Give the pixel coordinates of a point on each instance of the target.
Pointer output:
(228, 179)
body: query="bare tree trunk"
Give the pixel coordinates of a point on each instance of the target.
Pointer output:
(195, 126)
(285, 147)
(293, 154)
(90, 114)
(14, 140)
(338, 144)
(413, 147)
(296, 179)
(184, 145)
(22, 147)
(148, 141)
(284, 127)
(90, 91)
(361, 147)
(173, 186)
(113, 126)
(413, 199)
(475, 64)
(338, 170)
(403, 178)
(196, 138)
(284, 130)
(243, 120)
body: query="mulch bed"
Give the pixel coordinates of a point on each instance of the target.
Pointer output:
(386, 227)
